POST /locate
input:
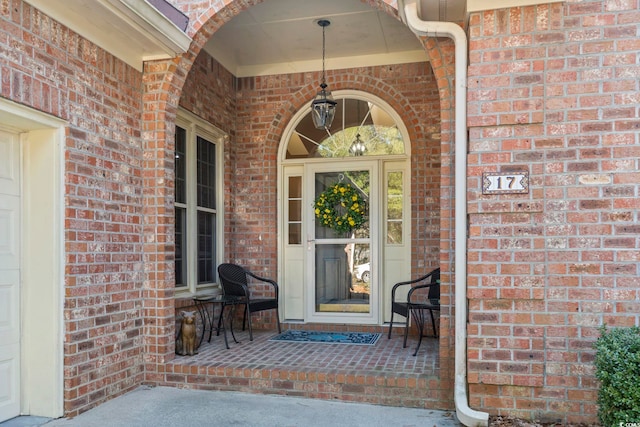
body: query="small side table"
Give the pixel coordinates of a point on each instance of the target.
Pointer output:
(208, 319)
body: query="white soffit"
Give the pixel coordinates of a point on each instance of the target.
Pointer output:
(132, 30)
(480, 5)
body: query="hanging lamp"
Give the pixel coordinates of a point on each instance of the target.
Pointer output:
(323, 107)
(357, 147)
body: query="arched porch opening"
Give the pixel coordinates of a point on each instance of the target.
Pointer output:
(246, 233)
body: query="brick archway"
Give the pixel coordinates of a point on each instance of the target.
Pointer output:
(163, 85)
(441, 54)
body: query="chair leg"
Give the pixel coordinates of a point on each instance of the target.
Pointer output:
(406, 329)
(418, 318)
(244, 316)
(248, 316)
(433, 323)
(390, 325)
(232, 314)
(219, 321)
(278, 320)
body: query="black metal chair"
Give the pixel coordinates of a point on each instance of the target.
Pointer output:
(405, 308)
(234, 280)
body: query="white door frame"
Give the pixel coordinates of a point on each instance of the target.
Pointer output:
(311, 315)
(292, 269)
(10, 242)
(42, 258)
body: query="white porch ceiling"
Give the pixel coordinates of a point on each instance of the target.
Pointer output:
(282, 36)
(275, 36)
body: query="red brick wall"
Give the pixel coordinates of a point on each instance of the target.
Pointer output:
(410, 89)
(50, 68)
(119, 304)
(210, 93)
(163, 81)
(441, 53)
(553, 89)
(264, 107)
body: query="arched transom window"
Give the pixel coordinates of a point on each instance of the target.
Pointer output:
(360, 128)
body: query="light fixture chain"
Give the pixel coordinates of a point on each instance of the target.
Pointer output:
(323, 52)
(323, 106)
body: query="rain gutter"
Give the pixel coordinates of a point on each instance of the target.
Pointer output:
(409, 15)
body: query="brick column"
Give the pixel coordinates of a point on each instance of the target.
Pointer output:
(441, 54)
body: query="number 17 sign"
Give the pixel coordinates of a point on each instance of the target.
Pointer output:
(513, 182)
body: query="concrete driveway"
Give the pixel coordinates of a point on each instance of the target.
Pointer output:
(166, 406)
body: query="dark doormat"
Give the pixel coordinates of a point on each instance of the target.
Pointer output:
(358, 338)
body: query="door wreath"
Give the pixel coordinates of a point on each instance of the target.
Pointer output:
(341, 208)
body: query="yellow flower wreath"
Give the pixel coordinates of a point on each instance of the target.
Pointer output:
(341, 207)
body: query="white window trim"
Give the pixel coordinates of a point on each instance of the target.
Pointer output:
(197, 127)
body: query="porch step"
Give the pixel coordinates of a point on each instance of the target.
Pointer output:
(383, 374)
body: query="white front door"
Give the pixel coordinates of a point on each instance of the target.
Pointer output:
(342, 280)
(9, 276)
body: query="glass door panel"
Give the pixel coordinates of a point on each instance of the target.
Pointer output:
(342, 257)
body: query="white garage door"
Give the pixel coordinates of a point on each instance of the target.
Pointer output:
(9, 276)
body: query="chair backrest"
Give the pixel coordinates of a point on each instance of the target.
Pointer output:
(233, 279)
(434, 291)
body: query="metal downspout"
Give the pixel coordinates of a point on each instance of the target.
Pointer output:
(409, 14)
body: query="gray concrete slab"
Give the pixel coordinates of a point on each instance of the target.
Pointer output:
(28, 421)
(166, 406)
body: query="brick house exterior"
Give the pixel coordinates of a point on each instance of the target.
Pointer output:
(552, 89)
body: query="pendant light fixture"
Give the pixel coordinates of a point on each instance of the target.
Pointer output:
(357, 147)
(323, 107)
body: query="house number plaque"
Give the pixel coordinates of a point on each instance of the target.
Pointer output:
(514, 182)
